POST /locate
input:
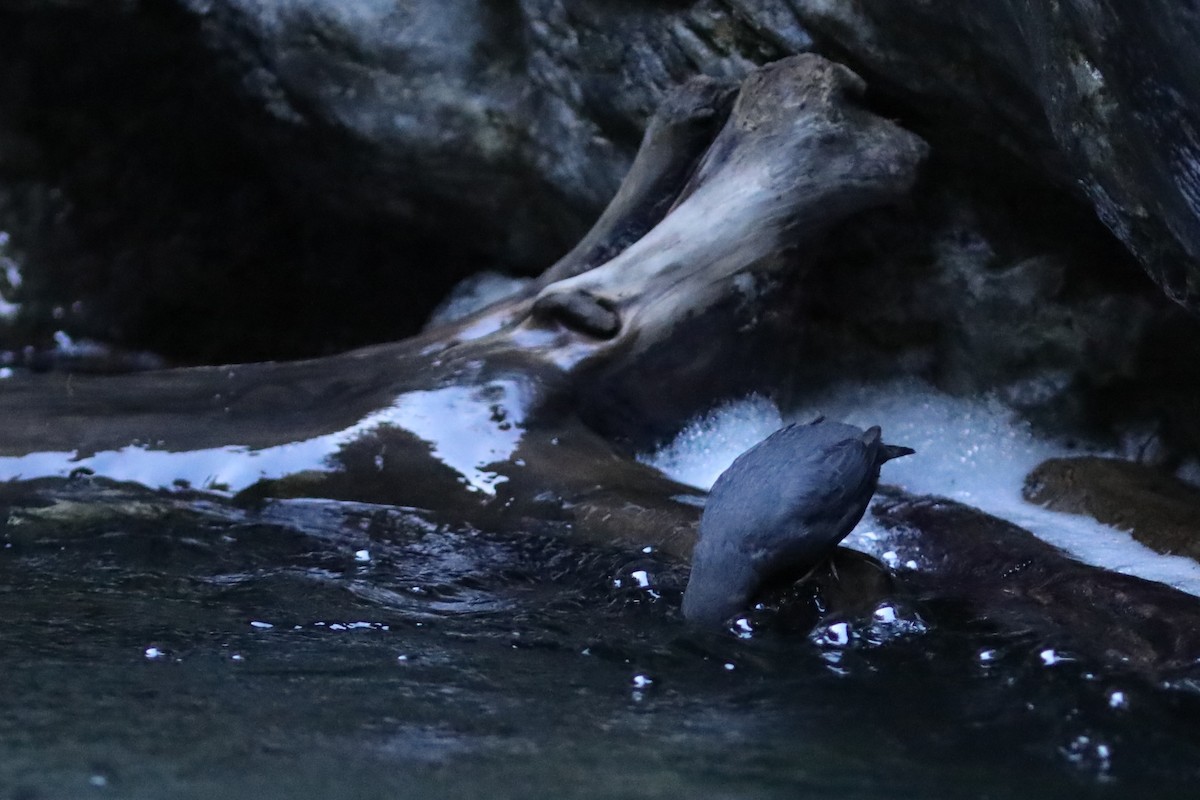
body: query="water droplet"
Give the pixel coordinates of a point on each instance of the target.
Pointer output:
(362, 555)
(402, 658)
(742, 628)
(648, 549)
(262, 625)
(99, 781)
(154, 653)
(835, 635)
(1051, 657)
(729, 667)
(641, 681)
(987, 655)
(885, 614)
(237, 657)
(1117, 699)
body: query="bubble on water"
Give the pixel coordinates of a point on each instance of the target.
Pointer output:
(261, 625)
(1090, 754)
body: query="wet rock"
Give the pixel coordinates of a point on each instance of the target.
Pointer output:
(1010, 579)
(1160, 510)
(989, 282)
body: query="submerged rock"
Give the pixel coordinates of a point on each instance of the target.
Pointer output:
(1010, 579)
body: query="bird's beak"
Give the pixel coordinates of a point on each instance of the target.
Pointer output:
(890, 451)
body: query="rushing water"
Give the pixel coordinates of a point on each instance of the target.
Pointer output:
(976, 451)
(322, 649)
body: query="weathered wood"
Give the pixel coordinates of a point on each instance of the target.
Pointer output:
(796, 156)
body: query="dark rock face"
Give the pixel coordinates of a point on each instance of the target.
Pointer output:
(543, 99)
(1100, 93)
(142, 208)
(514, 120)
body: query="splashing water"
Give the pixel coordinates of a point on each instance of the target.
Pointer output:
(976, 451)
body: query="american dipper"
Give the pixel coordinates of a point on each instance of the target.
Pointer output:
(779, 510)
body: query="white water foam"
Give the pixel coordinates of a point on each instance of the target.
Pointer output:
(463, 424)
(973, 450)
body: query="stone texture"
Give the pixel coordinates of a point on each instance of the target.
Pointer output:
(1098, 94)
(543, 99)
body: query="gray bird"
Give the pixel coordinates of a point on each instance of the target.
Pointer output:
(779, 510)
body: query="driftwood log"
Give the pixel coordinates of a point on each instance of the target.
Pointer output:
(640, 325)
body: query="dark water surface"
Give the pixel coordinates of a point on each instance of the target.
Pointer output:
(264, 655)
